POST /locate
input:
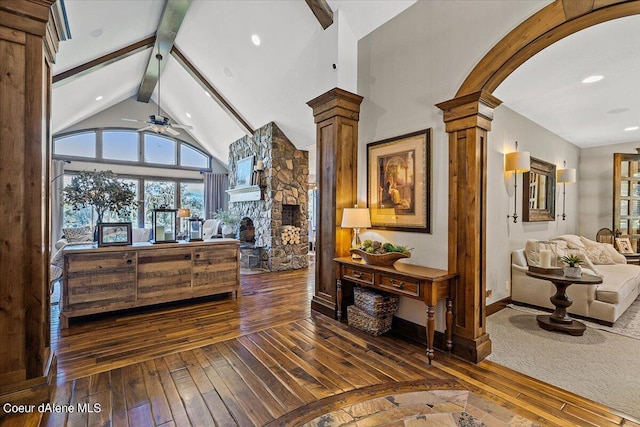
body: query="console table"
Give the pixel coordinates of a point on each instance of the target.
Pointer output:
(104, 279)
(428, 285)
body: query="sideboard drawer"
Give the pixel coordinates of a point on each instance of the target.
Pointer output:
(399, 285)
(357, 275)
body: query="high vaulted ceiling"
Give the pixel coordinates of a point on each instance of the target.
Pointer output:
(548, 88)
(294, 64)
(270, 82)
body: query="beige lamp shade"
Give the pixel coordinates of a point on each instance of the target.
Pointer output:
(566, 176)
(184, 213)
(518, 161)
(356, 218)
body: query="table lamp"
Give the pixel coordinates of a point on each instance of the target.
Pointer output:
(184, 213)
(356, 218)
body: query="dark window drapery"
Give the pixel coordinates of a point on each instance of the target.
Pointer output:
(215, 185)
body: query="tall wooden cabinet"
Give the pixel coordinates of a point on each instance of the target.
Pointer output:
(29, 35)
(626, 195)
(99, 280)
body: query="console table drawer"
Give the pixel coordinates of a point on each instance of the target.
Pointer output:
(356, 275)
(399, 285)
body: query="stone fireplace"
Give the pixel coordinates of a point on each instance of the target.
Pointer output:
(277, 220)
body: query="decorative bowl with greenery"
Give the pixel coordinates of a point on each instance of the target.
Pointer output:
(377, 253)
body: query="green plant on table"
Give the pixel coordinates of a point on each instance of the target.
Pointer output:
(376, 247)
(572, 260)
(227, 217)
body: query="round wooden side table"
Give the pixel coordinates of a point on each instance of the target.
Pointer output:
(559, 320)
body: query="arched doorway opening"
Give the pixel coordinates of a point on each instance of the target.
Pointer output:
(468, 119)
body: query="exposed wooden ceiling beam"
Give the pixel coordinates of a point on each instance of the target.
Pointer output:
(172, 17)
(96, 64)
(322, 11)
(207, 86)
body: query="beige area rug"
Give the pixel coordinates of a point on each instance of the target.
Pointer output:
(600, 365)
(435, 408)
(628, 324)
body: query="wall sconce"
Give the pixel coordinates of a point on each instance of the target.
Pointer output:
(356, 218)
(516, 162)
(565, 176)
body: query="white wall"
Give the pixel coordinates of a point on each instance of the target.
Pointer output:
(405, 67)
(503, 235)
(596, 186)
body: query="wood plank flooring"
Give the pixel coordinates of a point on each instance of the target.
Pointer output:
(258, 360)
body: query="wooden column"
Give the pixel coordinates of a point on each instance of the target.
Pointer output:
(336, 115)
(468, 120)
(28, 42)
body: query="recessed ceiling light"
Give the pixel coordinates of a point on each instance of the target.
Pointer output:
(592, 79)
(632, 128)
(255, 39)
(96, 33)
(98, 98)
(187, 114)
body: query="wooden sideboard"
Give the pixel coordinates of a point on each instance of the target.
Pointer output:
(99, 280)
(428, 285)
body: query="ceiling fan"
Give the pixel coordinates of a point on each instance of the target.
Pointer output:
(156, 122)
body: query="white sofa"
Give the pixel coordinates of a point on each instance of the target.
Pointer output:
(604, 302)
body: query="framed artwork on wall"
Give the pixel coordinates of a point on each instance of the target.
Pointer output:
(399, 182)
(114, 234)
(244, 171)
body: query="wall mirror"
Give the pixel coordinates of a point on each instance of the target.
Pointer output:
(538, 192)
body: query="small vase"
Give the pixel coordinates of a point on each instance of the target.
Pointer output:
(575, 272)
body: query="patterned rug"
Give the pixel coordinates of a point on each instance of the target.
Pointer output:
(442, 408)
(598, 365)
(627, 325)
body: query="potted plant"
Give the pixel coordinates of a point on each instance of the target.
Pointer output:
(573, 268)
(102, 191)
(229, 220)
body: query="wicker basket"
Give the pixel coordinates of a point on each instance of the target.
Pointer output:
(374, 303)
(365, 322)
(386, 259)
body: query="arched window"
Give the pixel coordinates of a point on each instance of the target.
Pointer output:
(125, 148)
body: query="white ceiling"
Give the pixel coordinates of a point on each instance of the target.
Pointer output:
(293, 65)
(273, 82)
(547, 89)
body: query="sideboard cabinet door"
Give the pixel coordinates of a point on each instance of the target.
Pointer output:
(164, 274)
(99, 280)
(215, 268)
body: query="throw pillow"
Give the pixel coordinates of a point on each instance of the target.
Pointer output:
(597, 252)
(78, 234)
(580, 251)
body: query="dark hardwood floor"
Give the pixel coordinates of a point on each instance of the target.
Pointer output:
(262, 359)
